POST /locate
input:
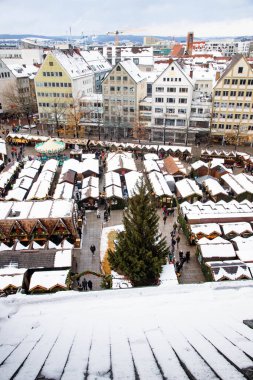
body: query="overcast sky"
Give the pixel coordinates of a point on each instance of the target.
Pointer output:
(143, 17)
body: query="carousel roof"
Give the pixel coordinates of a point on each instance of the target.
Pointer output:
(51, 146)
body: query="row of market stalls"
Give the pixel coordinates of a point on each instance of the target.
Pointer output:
(8, 176)
(223, 233)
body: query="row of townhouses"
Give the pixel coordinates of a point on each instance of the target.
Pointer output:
(120, 91)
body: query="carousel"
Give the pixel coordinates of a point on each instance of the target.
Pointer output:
(51, 149)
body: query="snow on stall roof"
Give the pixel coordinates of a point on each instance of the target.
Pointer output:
(244, 248)
(63, 259)
(50, 165)
(214, 187)
(151, 165)
(48, 279)
(233, 183)
(245, 181)
(159, 184)
(120, 161)
(154, 340)
(30, 172)
(17, 194)
(86, 156)
(14, 280)
(90, 181)
(198, 164)
(40, 209)
(35, 164)
(217, 247)
(20, 247)
(4, 247)
(229, 270)
(66, 244)
(90, 192)
(37, 246)
(70, 164)
(132, 179)
(89, 165)
(113, 191)
(151, 156)
(188, 187)
(112, 178)
(24, 183)
(40, 189)
(64, 191)
(3, 150)
(62, 208)
(206, 229)
(238, 227)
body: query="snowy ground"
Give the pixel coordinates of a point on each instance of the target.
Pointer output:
(176, 332)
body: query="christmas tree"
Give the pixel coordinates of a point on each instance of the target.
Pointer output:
(140, 251)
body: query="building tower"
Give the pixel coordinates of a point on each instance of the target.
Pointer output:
(189, 45)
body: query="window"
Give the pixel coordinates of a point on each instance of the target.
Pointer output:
(246, 105)
(232, 93)
(124, 79)
(250, 82)
(234, 81)
(242, 82)
(172, 68)
(240, 93)
(181, 122)
(159, 121)
(221, 126)
(118, 78)
(245, 116)
(136, 61)
(182, 110)
(111, 77)
(183, 89)
(217, 93)
(248, 94)
(240, 70)
(171, 89)
(182, 100)
(170, 110)
(159, 100)
(171, 100)
(225, 93)
(158, 110)
(118, 88)
(159, 89)
(118, 68)
(51, 64)
(226, 81)
(60, 74)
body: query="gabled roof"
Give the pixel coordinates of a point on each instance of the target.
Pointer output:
(235, 59)
(175, 63)
(132, 70)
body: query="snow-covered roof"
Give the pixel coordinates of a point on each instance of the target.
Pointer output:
(35, 164)
(14, 280)
(229, 270)
(159, 184)
(113, 191)
(214, 188)
(150, 166)
(63, 258)
(90, 181)
(133, 70)
(151, 156)
(17, 194)
(244, 248)
(205, 229)
(3, 147)
(90, 192)
(246, 181)
(48, 279)
(188, 187)
(64, 191)
(233, 183)
(120, 162)
(140, 333)
(132, 178)
(71, 164)
(238, 228)
(89, 165)
(51, 165)
(198, 164)
(95, 60)
(73, 63)
(24, 183)
(217, 247)
(112, 178)
(29, 172)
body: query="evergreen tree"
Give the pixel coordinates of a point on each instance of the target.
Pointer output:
(140, 250)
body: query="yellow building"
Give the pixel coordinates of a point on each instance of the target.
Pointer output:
(232, 113)
(62, 80)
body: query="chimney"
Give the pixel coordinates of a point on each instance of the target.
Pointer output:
(217, 75)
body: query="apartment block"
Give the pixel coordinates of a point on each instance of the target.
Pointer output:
(232, 113)
(123, 88)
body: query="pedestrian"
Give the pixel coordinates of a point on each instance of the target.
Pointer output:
(173, 242)
(178, 240)
(164, 218)
(93, 249)
(90, 284)
(175, 226)
(187, 256)
(84, 283)
(109, 210)
(98, 214)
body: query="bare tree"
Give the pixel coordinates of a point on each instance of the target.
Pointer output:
(19, 101)
(74, 116)
(139, 130)
(54, 114)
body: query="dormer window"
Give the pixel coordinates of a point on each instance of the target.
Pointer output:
(240, 70)
(51, 63)
(118, 68)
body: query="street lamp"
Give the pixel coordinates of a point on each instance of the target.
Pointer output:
(187, 131)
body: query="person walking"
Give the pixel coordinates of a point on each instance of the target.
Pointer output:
(90, 285)
(93, 249)
(84, 283)
(106, 216)
(178, 240)
(187, 256)
(164, 218)
(109, 211)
